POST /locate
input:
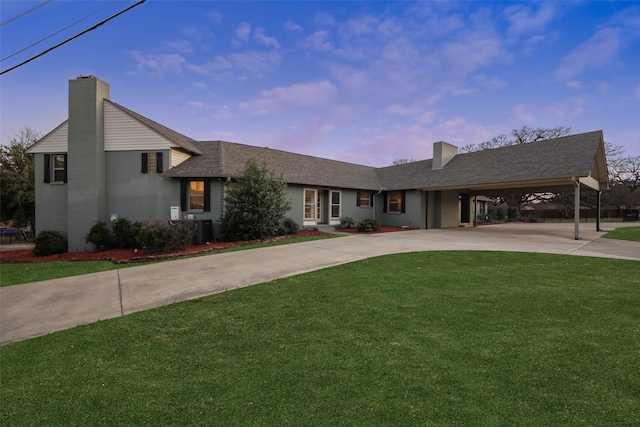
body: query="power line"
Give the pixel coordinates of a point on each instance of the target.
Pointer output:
(38, 6)
(72, 38)
(57, 32)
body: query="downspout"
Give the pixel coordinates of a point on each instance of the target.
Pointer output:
(375, 204)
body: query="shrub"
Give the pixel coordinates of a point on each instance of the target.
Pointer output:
(289, 226)
(49, 242)
(256, 205)
(125, 234)
(512, 214)
(159, 237)
(99, 236)
(347, 222)
(369, 225)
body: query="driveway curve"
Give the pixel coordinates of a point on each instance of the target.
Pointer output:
(39, 308)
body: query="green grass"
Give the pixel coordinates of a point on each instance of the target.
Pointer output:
(15, 274)
(625, 233)
(435, 338)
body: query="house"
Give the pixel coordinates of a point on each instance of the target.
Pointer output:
(107, 162)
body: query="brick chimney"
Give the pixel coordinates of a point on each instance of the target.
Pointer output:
(86, 168)
(442, 153)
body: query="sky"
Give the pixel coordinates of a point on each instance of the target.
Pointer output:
(366, 82)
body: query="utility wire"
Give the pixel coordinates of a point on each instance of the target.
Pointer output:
(57, 32)
(38, 6)
(72, 38)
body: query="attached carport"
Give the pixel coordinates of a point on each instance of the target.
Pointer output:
(570, 164)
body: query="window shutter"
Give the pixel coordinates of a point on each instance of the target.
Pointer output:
(385, 202)
(145, 163)
(371, 197)
(159, 162)
(47, 168)
(183, 194)
(403, 208)
(66, 168)
(358, 199)
(207, 195)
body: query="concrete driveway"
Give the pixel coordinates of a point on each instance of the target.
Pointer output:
(39, 308)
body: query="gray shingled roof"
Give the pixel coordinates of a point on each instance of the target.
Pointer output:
(553, 159)
(179, 139)
(227, 159)
(565, 157)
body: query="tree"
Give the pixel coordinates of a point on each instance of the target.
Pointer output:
(17, 178)
(256, 204)
(402, 161)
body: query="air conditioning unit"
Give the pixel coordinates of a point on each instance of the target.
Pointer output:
(202, 231)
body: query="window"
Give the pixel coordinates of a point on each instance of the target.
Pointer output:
(310, 204)
(365, 199)
(151, 162)
(335, 204)
(196, 195)
(394, 202)
(55, 168)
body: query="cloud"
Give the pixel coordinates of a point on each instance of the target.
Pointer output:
(523, 114)
(318, 41)
(292, 26)
(242, 32)
(261, 38)
(182, 46)
(283, 99)
(574, 84)
(524, 19)
(593, 53)
(238, 65)
(158, 64)
(215, 17)
(636, 92)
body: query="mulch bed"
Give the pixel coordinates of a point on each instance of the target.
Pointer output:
(122, 256)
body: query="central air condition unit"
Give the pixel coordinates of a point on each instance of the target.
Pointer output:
(202, 231)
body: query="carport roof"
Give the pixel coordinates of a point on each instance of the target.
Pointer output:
(547, 165)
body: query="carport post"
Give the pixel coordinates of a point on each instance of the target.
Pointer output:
(576, 214)
(598, 215)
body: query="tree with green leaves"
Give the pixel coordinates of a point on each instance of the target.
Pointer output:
(256, 204)
(17, 179)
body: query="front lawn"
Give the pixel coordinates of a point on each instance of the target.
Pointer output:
(625, 233)
(433, 338)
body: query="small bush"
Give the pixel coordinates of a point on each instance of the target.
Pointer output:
(512, 214)
(347, 222)
(125, 234)
(289, 226)
(49, 242)
(159, 237)
(99, 236)
(369, 225)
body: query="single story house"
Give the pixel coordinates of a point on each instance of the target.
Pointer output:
(107, 162)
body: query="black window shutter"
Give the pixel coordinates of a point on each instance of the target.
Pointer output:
(145, 163)
(47, 168)
(371, 197)
(358, 199)
(183, 194)
(159, 162)
(385, 202)
(207, 195)
(66, 168)
(403, 198)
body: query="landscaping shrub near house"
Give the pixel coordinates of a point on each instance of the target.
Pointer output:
(49, 242)
(99, 236)
(126, 235)
(369, 225)
(158, 237)
(289, 226)
(347, 222)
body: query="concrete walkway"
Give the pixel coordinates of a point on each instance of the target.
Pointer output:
(39, 308)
